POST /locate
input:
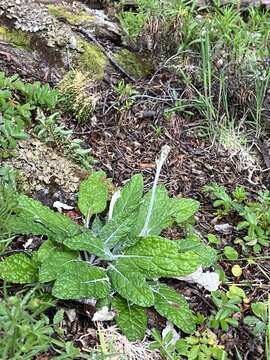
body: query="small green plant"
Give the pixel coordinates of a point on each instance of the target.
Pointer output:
(255, 215)
(240, 194)
(201, 346)
(25, 330)
(125, 92)
(157, 129)
(227, 304)
(51, 132)
(181, 106)
(123, 89)
(8, 176)
(38, 95)
(125, 254)
(257, 321)
(18, 101)
(220, 196)
(165, 345)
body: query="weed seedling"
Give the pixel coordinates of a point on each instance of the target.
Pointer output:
(227, 305)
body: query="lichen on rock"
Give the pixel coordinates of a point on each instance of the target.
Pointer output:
(40, 167)
(133, 64)
(26, 15)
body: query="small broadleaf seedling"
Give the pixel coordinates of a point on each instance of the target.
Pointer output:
(254, 215)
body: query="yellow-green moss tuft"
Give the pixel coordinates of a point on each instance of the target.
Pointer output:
(73, 17)
(133, 64)
(18, 38)
(77, 93)
(92, 60)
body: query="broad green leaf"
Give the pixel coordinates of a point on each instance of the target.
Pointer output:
(53, 259)
(93, 194)
(25, 225)
(58, 317)
(207, 254)
(19, 269)
(116, 229)
(34, 218)
(87, 242)
(183, 209)
(131, 319)
(260, 310)
(97, 225)
(155, 256)
(230, 253)
(130, 197)
(161, 216)
(235, 291)
(80, 280)
(174, 307)
(131, 285)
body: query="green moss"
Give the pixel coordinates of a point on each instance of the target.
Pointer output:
(92, 60)
(16, 37)
(133, 64)
(76, 17)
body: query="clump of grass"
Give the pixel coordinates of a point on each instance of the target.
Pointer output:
(156, 22)
(78, 97)
(220, 55)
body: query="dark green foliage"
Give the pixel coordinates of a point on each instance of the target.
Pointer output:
(227, 304)
(254, 214)
(18, 101)
(132, 253)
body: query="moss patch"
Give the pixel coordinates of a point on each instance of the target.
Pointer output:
(76, 17)
(92, 60)
(16, 37)
(133, 64)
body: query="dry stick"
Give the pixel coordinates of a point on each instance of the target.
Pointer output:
(105, 52)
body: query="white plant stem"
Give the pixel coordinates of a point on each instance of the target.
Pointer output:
(115, 197)
(160, 162)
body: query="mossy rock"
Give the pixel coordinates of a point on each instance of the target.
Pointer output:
(18, 38)
(73, 17)
(133, 64)
(92, 60)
